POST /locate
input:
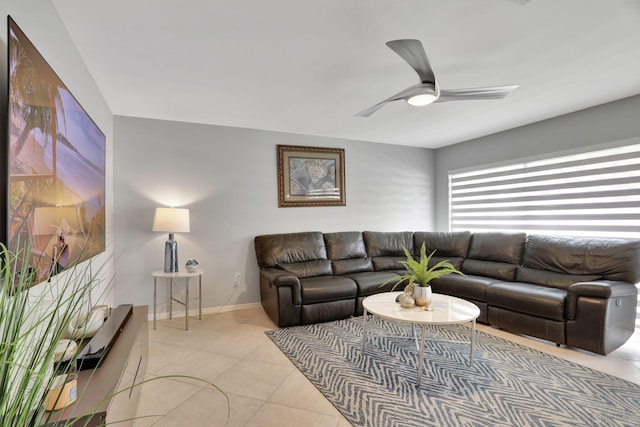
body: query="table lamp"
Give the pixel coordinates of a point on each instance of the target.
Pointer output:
(171, 220)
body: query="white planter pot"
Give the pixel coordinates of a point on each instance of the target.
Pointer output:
(422, 295)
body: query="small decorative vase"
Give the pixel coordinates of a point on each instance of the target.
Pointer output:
(422, 295)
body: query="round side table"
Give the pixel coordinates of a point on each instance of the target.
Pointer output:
(172, 279)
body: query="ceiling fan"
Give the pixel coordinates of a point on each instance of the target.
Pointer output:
(428, 91)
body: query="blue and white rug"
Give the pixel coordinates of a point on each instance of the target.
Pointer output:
(507, 385)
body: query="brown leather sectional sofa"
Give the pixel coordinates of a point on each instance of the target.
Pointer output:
(579, 292)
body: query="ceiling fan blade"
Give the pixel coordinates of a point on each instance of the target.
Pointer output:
(491, 92)
(404, 94)
(369, 111)
(412, 51)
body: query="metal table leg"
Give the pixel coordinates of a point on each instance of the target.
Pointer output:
(186, 306)
(200, 297)
(364, 332)
(473, 339)
(155, 291)
(171, 298)
(421, 354)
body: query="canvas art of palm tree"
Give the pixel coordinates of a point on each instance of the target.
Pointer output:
(56, 166)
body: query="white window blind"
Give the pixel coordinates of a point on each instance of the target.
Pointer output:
(595, 193)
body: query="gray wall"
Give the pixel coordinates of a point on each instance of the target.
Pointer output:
(40, 22)
(227, 178)
(608, 123)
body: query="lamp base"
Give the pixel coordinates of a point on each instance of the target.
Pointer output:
(171, 255)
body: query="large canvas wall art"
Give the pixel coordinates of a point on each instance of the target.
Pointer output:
(56, 166)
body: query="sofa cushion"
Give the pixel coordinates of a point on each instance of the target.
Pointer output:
(551, 279)
(538, 301)
(345, 245)
(385, 263)
(500, 254)
(347, 252)
(327, 288)
(369, 282)
(355, 265)
(499, 247)
(274, 249)
(387, 244)
(496, 270)
(386, 248)
(613, 259)
(447, 245)
(467, 287)
(455, 261)
(320, 267)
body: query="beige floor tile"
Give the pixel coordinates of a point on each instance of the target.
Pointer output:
(234, 318)
(629, 351)
(268, 352)
(160, 396)
(263, 321)
(161, 332)
(254, 379)
(272, 415)
(209, 408)
(177, 323)
(193, 338)
(238, 343)
(199, 364)
(298, 392)
(163, 355)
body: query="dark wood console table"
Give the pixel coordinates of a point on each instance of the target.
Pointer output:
(124, 366)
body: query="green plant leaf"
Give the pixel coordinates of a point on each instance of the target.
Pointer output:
(33, 319)
(418, 271)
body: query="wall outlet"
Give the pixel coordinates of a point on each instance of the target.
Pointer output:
(236, 279)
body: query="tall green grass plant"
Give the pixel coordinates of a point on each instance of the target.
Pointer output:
(33, 319)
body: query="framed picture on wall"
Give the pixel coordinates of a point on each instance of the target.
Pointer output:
(310, 176)
(55, 215)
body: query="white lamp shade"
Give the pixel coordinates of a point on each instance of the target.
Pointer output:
(171, 220)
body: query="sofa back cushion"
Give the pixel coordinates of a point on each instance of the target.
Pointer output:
(552, 279)
(385, 248)
(452, 246)
(347, 252)
(303, 254)
(585, 258)
(345, 245)
(496, 255)
(319, 267)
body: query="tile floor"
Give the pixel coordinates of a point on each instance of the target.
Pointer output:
(231, 350)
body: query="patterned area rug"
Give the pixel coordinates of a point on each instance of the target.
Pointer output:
(507, 385)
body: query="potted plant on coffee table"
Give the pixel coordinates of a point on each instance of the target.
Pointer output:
(419, 275)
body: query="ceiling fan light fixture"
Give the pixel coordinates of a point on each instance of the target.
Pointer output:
(421, 100)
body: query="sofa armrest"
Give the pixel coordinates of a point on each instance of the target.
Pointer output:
(599, 289)
(275, 277)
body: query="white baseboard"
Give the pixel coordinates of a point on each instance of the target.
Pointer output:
(209, 310)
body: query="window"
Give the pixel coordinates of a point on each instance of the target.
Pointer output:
(595, 193)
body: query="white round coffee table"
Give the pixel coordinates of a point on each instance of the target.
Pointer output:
(447, 310)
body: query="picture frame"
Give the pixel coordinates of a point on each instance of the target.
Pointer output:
(310, 176)
(56, 167)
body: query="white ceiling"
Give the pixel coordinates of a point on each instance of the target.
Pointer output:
(307, 67)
